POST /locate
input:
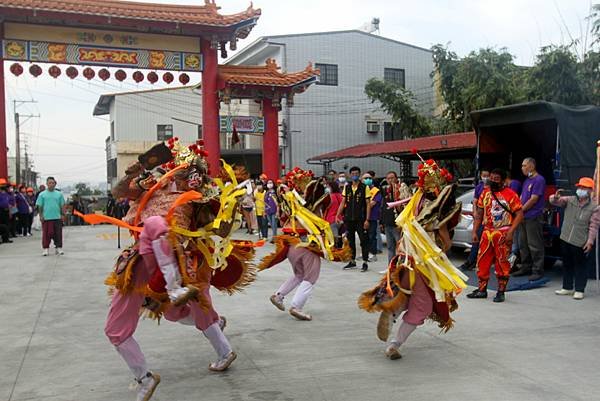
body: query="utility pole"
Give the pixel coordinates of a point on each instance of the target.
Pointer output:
(17, 103)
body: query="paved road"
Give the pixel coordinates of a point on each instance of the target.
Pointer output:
(536, 346)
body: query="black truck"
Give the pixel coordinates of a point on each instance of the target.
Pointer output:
(562, 139)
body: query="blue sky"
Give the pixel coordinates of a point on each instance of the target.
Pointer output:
(68, 142)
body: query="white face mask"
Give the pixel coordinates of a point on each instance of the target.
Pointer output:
(582, 193)
(342, 180)
(327, 190)
(270, 186)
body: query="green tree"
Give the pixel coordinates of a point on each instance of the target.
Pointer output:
(483, 79)
(83, 189)
(400, 104)
(557, 76)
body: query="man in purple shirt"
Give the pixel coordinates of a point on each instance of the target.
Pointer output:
(531, 240)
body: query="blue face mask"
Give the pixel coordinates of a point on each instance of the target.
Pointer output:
(355, 178)
(368, 182)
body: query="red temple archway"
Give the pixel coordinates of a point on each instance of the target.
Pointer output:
(122, 34)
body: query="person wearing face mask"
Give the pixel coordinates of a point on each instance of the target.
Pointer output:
(335, 197)
(356, 208)
(375, 203)
(341, 179)
(577, 236)
(499, 211)
(271, 206)
(259, 198)
(531, 237)
(470, 263)
(13, 210)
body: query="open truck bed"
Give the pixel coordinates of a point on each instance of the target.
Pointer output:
(562, 140)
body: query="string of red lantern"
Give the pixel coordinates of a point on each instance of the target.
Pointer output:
(54, 71)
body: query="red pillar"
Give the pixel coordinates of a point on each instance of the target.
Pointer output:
(3, 155)
(210, 106)
(270, 151)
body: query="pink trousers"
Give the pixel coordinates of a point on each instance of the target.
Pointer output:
(123, 314)
(420, 303)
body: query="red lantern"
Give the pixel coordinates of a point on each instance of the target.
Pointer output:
(89, 73)
(152, 77)
(35, 70)
(54, 71)
(138, 77)
(121, 75)
(16, 69)
(184, 79)
(104, 74)
(72, 72)
(168, 77)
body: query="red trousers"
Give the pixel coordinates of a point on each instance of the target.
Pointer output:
(491, 251)
(52, 231)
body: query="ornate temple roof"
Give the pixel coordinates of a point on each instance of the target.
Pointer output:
(266, 75)
(207, 15)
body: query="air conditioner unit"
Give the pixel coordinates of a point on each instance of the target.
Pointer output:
(372, 127)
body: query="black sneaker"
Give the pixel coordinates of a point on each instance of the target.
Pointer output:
(365, 267)
(535, 277)
(477, 294)
(467, 266)
(521, 272)
(350, 265)
(499, 296)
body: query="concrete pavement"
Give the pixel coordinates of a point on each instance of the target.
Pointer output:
(536, 346)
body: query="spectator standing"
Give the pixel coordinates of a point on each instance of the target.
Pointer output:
(13, 211)
(356, 208)
(31, 201)
(335, 197)
(77, 205)
(51, 206)
(247, 205)
(391, 193)
(471, 261)
(332, 176)
(577, 236)
(259, 199)
(498, 210)
(531, 244)
(24, 211)
(375, 215)
(517, 187)
(4, 210)
(271, 208)
(111, 205)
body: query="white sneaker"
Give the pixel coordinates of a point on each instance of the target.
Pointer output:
(512, 259)
(59, 251)
(392, 351)
(382, 271)
(372, 258)
(562, 291)
(578, 295)
(182, 295)
(45, 252)
(146, 386)
(223, 364)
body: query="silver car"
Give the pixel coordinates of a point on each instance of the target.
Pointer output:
(464, 229)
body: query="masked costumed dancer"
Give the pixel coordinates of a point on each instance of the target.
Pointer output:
(306, 239)
(183, 247)
(420, 281)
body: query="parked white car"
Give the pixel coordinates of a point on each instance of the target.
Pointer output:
(464, 229)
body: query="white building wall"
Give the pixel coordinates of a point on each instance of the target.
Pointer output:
(137, 115)
(334, 117)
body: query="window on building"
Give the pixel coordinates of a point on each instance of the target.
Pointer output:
(112, 131)
(391, 132)
(329, 74)
(394, 75)
(164, 132)
(111, 169)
